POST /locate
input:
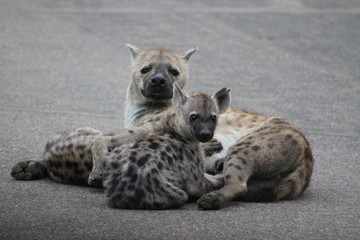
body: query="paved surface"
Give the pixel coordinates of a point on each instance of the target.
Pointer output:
(64, 64)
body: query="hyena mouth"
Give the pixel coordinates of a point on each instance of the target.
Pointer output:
(156, 95)
(157, 92)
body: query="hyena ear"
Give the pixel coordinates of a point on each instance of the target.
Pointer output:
(222, 98)
(179, 96)
(135, 51)
(186, 56)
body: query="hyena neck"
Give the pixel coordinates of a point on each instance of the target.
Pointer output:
(138, 107)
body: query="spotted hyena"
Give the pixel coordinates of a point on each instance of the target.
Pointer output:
(166, 167)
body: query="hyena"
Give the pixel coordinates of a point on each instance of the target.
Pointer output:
(68, 156)
(166, 167)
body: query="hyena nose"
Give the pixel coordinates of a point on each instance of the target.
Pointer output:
(158, 81)
(205, 136)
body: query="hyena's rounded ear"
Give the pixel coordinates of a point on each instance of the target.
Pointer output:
(186, 56)
(179, 96)
(135, 51)
(222, 98)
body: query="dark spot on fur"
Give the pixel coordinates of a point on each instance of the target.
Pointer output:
(230, 165)
(243, 161)
(131, 131)
(76, 165)
(80, 148)
(160, 165)
(114, 165)
(130, 171)
(271, 145)
(240, 179)
(82, 155)
(132, 159)
(139, 195)
(141, 161)
(255, 148)
(234, 152)
(78, 171)
(131, 187)
(294, 142)
(288, 136)
(246, 152)
(68, 164)
(168, 149)
(135, 146)
(154, 171)
(154, 145)
(237, 167)
(133, 178)
(227, 176)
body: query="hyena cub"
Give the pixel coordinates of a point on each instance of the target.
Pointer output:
(167, 166)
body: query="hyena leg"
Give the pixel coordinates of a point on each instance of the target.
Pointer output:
(105, 144)
(30, 170)
(235, 186)
(206, 184)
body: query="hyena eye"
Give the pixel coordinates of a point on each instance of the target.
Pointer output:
(145, 70)
(174, 72)
(193, 117)
(214, 118)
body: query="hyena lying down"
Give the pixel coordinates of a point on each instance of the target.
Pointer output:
(167, 166)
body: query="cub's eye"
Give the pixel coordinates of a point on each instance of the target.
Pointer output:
(193, 117)
(145, 70)
(214, 118)
(174, 72)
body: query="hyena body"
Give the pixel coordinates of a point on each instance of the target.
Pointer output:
(166, 167)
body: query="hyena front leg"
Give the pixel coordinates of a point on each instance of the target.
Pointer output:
(235, 175)
(30, 170)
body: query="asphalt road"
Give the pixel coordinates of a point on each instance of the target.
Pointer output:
(64, 64)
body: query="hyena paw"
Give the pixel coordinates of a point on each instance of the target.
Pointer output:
(29, 170)
(210, 201)
(211, 147)
(96, 178)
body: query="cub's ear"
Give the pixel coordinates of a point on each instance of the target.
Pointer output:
(222, 98)
(186, 56)
(179, 96)
(135, 51)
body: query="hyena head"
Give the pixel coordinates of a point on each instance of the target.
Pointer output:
(196, 115)
(155, 71)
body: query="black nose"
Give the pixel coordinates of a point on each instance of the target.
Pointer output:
(158, 81)
(219, 165)
(205, 136)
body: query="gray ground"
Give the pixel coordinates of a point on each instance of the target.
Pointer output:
(64, 64)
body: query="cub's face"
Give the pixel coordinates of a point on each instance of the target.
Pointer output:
(154, 72)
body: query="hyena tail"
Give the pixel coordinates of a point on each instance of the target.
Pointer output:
(30, 170)
(289, 187)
